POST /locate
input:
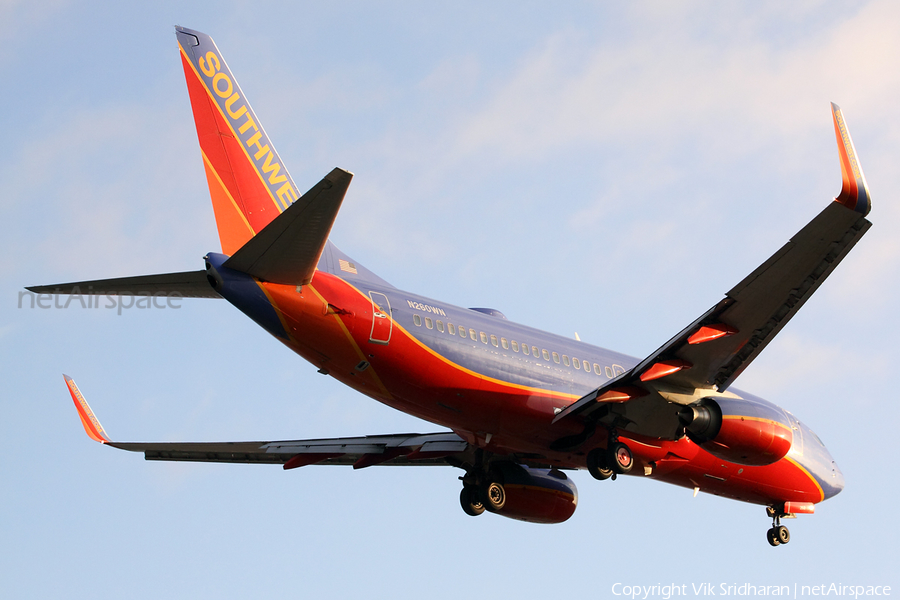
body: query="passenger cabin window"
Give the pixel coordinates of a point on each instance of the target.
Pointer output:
(462, 332)
(596, 368)
(556, 358)
(483, 337)
(609, 372)
(494, 341)
(576, 363)
(417, 320)
(565, 360)
(587, 366)
(534, 351)
(451, 328)
(440, 326)
(525, 349)
(545, 354)
(473, 335)
(429, 323)
(515, 346)
(504, 343)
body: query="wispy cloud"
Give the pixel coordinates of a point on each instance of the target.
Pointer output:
(104, 180)
(19, 19)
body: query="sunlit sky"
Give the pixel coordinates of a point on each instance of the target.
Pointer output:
(605, 168)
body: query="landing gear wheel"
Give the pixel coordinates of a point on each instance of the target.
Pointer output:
(619, 458)
(470, 502)
(778, 534)
(782, 534)
(494, 496)
(597, 465)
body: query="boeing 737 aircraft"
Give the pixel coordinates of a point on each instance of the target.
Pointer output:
(518, 406)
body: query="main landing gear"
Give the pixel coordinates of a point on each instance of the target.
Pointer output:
(778, 534)
(475, 499)
(616, 458)
(482, 490)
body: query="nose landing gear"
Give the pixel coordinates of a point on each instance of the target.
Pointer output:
(778, 534)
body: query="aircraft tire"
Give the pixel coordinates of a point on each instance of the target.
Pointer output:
(783, 535)
(772, 537)
(470, 502)
(493, 496)
(597, 465)
(620, 458)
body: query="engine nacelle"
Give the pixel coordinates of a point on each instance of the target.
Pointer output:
(739, 430)
(536, 495)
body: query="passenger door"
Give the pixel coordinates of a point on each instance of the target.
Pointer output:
(382, 323)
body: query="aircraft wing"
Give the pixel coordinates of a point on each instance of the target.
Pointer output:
(443, 448)
(709, 354)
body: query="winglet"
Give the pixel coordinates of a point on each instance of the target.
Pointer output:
(91, 425)
(855, 190)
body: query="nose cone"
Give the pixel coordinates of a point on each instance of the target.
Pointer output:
(818, 462)
(837, 482)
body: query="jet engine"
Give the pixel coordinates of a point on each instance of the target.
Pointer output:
(523, 493)
(741, 431)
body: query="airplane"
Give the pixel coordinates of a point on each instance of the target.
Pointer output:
(519, 406)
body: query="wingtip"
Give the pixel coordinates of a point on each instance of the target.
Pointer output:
(91, 424)
(854, 189)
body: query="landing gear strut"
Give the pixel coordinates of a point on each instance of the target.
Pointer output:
(778, 534)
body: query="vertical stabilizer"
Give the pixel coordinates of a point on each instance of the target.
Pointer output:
(248, 183)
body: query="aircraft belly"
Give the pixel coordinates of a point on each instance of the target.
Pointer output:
(688, 465)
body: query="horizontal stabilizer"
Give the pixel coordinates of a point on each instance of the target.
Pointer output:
(188, 284)
(287, 250)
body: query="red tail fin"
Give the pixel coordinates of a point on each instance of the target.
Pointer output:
(248, 182)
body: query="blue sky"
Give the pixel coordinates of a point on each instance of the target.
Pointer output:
(605, 168)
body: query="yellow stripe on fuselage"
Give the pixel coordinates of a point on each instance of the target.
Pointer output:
(459, 367)
(808, 474)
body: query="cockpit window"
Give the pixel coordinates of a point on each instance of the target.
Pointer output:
(815, 436)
